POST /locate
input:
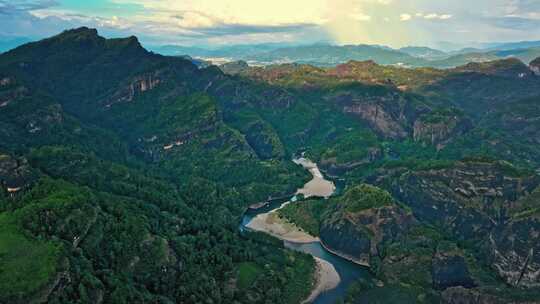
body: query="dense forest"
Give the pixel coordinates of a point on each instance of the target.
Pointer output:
(124, 176)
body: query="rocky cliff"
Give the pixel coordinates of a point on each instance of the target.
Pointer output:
(361, 222)
(535, 66)
(15, 174)
(475, 200)
(439, 127)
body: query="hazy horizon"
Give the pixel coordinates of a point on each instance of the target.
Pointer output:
(437, 24)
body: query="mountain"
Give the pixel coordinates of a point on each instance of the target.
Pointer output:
(506, 46)
(423, 52)
(125, 175)
(233, 52)
(331, 55)
(118, 179)
(525, 55)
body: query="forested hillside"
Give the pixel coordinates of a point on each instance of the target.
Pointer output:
(124, 176)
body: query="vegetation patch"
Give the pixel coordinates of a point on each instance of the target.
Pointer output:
(306, 214)
(365, 197)
(248, 272)
(26, 264)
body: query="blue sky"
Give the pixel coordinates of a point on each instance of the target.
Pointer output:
(216, 22)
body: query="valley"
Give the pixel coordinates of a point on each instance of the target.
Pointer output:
(124, 175)
(334, 274)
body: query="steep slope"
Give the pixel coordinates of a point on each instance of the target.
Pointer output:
(124, 174)
(452, 110)
(465, 230)
(413, 262)
(475, 199)
(120, 177)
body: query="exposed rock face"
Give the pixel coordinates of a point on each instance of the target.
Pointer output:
(11, 92)
(515, 250)
(331, 167)
(449, 269)
(348, 240)
(394, 116)
(15, 174)
(438, 133)
(378, 118)
(357, 236)
(535, 66)
(5, 81)
(137, 86)
(464, 197)
(473, 200)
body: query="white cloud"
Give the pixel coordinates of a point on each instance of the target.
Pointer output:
(405, 17)
(361, 17)
(236, 21)
(430, 16)
(192, 19)
(245, 12)
(437, 16)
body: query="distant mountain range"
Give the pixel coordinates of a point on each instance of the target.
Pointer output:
(330, 55)
(325, 54)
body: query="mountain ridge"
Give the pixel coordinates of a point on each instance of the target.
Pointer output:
(124, 175)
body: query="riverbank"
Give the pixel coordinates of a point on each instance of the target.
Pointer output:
(345, 257)
(333, 274)
(318, 186)
(326, 278)
(280, 228)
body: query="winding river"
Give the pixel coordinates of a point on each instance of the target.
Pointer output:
(336, 273)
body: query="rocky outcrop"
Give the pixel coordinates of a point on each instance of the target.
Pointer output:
(515, 252)
(11, 92)
(15, 174)
(331, 167)
(437, 131)
(5, 81)
(136, 87)
(387, 112)
(358, 235)
(449, 269)
(378, 118)
(473, 200)
(345, 238)
(535, 66)
(467, 197)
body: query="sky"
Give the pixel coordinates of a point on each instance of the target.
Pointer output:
(394, 23)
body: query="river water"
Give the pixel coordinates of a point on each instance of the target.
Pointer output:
(348, 271)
